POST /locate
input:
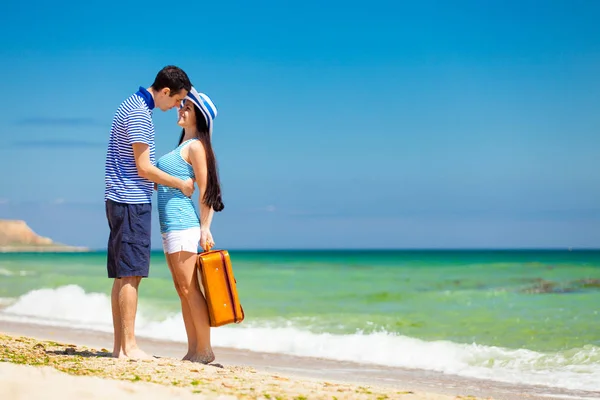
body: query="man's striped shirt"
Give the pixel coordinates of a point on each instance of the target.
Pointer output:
(132, 123)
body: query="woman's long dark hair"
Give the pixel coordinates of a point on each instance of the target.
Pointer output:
(212, 195)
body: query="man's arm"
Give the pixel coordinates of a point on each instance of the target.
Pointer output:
(148, 171)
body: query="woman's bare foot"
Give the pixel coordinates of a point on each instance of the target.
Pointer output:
(119, 354)
(137, 354)
(187, 356)
(202, 358)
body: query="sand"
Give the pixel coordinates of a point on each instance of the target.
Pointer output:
(28, 382)
(46, 369)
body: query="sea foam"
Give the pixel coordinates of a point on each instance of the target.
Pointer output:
(70, 306)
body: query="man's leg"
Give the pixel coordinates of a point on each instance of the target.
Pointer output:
(114, 215)
(116, 314)
(134, 264)
(128, 299)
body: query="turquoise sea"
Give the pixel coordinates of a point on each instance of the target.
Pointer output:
(515, 316)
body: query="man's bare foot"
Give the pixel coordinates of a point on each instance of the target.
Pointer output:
(187, 356)
(137, 354)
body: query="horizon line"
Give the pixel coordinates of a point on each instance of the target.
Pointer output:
(572, 248)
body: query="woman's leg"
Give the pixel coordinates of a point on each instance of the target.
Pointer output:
(185, 311)
(184, 270)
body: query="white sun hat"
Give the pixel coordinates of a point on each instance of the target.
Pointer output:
(205, 105)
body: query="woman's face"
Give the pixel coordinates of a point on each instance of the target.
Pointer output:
(187, 115)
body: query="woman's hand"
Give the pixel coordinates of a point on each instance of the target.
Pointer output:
(206, 240)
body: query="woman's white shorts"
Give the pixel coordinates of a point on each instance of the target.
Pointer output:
(184, 240)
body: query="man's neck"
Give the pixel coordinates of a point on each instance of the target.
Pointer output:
(152, 93)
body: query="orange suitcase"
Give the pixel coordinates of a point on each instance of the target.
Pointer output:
(218, 285)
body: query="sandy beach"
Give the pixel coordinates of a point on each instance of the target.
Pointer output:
(58, 362)
(20, 382)
(35, 368)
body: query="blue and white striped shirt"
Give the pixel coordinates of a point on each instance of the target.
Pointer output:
(132, 123)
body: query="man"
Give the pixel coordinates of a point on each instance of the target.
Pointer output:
(129, 176)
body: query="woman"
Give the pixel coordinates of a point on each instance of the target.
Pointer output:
(183, 231)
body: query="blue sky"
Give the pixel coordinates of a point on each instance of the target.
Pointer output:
(430, 124)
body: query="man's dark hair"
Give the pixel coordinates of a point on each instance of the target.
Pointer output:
(172, 77)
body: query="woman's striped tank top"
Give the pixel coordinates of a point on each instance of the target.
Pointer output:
(175, 211)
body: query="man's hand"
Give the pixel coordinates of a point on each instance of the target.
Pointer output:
(206, 240)
(150, 172)
(187, 187)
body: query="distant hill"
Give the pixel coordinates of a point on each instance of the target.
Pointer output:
(17, 236)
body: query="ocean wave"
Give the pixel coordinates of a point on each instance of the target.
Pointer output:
(71, 306)
(6, 301)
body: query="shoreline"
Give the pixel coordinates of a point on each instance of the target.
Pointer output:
(421, 383)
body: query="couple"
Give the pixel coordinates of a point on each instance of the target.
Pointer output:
(131, 175)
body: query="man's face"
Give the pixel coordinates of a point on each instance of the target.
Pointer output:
(165, 101)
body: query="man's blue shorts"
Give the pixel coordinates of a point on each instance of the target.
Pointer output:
(129, 240)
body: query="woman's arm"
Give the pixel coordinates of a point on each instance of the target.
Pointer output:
(198, 161)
